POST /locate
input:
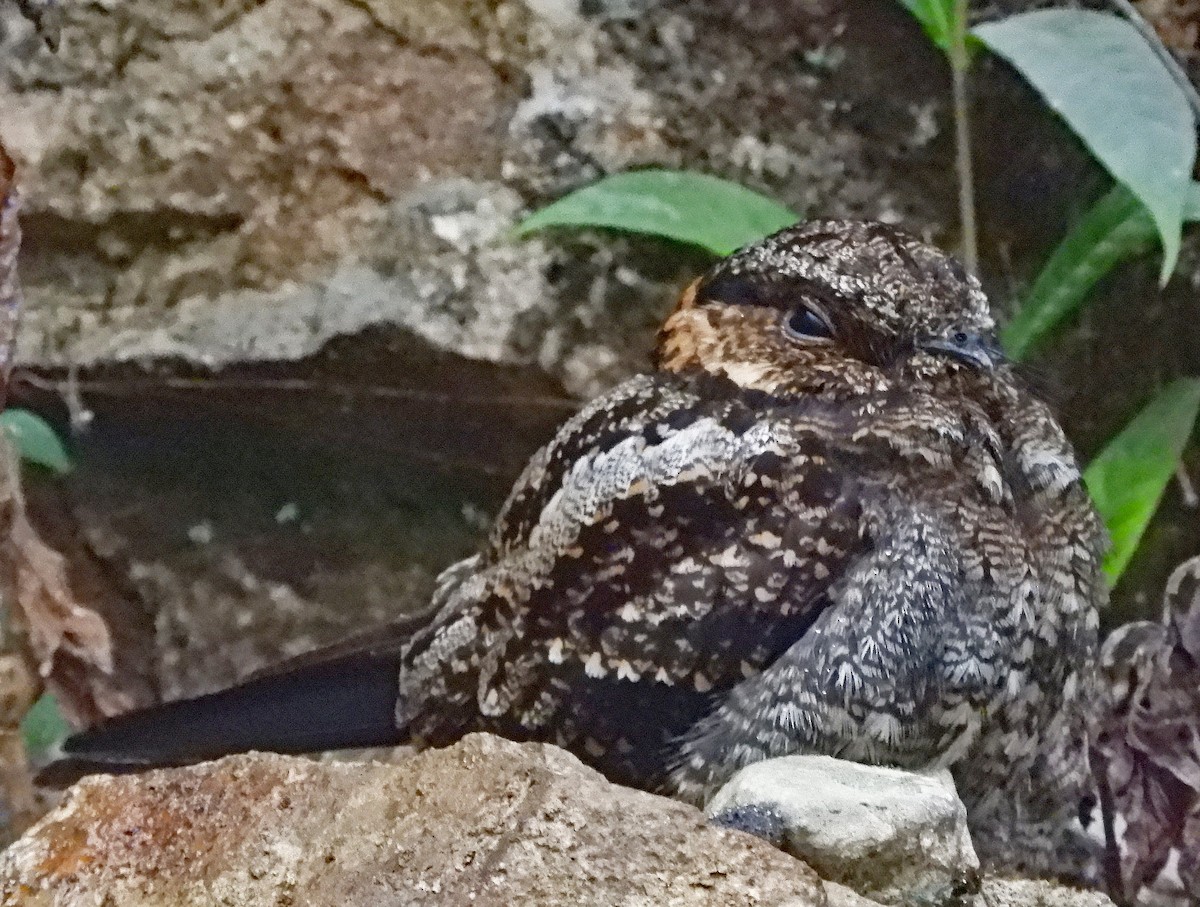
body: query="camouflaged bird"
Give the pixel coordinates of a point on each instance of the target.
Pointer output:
(831, 521)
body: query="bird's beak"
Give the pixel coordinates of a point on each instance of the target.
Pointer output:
(975, 350)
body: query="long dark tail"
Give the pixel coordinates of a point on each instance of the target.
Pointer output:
(335, 698)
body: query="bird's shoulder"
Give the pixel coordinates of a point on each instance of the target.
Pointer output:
(629, 423)
(705, 430)
(688, 528)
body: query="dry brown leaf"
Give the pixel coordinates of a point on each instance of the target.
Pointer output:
(1148, 745)
(1176, 21)
(67, 639)
(69, 642)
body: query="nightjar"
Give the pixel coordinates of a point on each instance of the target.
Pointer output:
(833, 520)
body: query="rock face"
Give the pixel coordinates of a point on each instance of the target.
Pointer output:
(894, 836)
(484, 822)
(1031, 893)
(197, 175)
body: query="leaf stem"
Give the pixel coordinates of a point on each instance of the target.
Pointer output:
(959, 62)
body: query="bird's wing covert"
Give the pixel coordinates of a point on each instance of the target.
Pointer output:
(675, 537)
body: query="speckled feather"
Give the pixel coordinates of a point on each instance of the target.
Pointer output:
(854, 544)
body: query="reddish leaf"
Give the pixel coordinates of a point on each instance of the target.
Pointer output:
(1148, 745)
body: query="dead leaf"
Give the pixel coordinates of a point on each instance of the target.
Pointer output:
(1148, 744)
(69, 641)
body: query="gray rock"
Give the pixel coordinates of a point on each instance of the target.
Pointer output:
(840, 896)
(996, 892)
(484, 822)
(999, 892)
(893, 836)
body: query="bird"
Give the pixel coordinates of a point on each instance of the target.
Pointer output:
(832, 519)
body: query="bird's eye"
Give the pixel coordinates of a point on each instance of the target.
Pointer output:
(806, 324)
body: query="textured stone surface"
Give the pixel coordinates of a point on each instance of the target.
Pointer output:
(894, 836)
(176, 157)
(484, 822)
(996, 892)
(841, 896)
(1032, 893)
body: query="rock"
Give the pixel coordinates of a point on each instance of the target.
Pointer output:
(996, 892)
(176, 157)
(893, 836)
(1036, 893)
(840, 896)
(483, 822)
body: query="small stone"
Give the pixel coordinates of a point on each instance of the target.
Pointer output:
(893, 836)
(998, 892)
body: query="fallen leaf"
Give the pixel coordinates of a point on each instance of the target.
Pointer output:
(1147, 745)
(68, 640)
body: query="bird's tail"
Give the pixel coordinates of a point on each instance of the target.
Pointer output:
(335, 698)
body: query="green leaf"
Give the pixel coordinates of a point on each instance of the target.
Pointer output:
(1102, 77)
(688, 207)
(937, 20)
(1129, 476)
(1118, 227)
(36, 441)
(43, 727)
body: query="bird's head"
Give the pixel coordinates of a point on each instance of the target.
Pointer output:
(839, 307)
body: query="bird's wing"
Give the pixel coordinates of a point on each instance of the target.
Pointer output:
(877, 676)
(674, 538)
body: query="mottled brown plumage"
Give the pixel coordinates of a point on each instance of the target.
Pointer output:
(872, 543)
(832, 521)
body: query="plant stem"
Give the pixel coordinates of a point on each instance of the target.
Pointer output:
(962, 137)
